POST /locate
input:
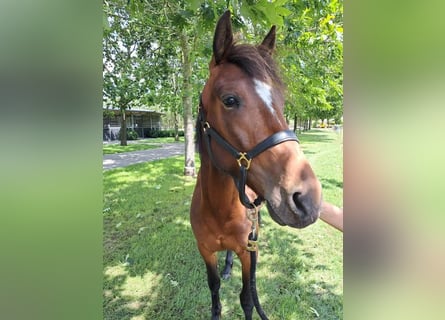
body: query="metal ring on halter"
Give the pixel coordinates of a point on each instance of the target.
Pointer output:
(243, 156)
(252, 215)
(205, 126)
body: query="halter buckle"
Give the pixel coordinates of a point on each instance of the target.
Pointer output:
(242, 156)
(252, 245)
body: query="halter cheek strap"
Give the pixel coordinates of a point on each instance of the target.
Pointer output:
(243, 159)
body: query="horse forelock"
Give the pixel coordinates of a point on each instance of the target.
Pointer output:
(257, 63)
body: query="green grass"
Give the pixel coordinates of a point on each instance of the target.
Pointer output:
(153, 270)
(137, 145)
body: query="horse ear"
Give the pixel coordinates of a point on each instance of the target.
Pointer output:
(223, 38)
(269, 40)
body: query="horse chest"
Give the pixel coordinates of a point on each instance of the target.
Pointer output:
(228, 235)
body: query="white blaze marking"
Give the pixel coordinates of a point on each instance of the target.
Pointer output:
(265, 93)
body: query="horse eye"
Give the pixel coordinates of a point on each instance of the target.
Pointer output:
(231, 102)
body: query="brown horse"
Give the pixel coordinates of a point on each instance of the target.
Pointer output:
(241, 108)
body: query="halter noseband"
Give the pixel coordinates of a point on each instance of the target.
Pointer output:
(243, 158)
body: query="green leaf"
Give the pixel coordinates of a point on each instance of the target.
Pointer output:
(194, 4)
(279, 3)
(282, 11)
(246, 11)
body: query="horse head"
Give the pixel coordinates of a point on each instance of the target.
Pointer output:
(243, 100)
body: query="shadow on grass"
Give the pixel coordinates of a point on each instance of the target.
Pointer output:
(315, 135)
(296, 287)
(152, 268)
(331, 183)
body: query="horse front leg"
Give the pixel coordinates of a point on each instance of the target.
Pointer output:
(228, 265)
(246, 296)
(213, 282)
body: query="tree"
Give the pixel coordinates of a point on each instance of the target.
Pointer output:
(137, 63)
(313, 59)
(158, 52)
(122, 66)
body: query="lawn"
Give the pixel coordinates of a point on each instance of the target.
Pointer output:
(137, 145)
(152, 268)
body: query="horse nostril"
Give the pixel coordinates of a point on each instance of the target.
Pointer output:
(298, 200)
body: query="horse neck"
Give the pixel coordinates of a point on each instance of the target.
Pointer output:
(219, 189)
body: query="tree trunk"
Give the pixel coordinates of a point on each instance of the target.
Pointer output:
(175, 114)
(189, 163)
(295, 122)
(310, 123)
(175, 109)
(123, 134)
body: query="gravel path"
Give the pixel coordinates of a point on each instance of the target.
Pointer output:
(118, 160)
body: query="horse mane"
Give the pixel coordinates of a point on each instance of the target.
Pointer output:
(256, 62)
(198, 129)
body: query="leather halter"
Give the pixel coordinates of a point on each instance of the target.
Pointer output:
(243, 158)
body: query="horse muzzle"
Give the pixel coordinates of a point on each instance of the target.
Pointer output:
(295, 209)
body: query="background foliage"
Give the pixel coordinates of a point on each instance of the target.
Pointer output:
(142, 50)
(156, 53)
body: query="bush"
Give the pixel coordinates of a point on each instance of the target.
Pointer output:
(131, 135)
(156, 133)
(152, 133)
